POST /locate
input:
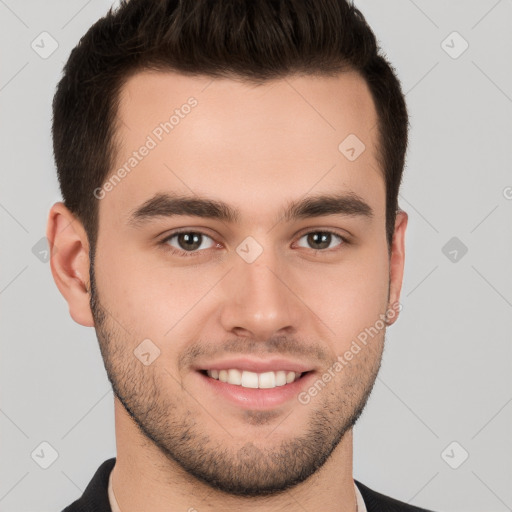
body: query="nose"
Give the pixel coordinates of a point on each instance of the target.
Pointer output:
(259, 301)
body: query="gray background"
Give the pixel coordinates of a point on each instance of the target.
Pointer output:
(446, 374)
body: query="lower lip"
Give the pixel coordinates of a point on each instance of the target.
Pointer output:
(258, 398)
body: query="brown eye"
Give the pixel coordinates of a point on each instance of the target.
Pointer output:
(320, 240)
(189, 241)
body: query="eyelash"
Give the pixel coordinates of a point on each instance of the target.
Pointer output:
(176, 252)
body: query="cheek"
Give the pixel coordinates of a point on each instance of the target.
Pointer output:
(148, 298)
(351, 297)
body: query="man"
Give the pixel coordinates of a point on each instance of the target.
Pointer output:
(230, 227)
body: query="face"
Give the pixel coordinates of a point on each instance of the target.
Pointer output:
(217, 260)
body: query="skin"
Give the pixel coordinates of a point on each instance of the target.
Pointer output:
(255, 148)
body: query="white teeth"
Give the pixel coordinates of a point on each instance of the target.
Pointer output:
(249, 380)
(234, 377)
(280, 378)
(265, 380)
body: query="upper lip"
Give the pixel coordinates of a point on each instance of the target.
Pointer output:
(257, 365)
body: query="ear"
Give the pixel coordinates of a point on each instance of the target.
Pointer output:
(396, 265)
(69, 261)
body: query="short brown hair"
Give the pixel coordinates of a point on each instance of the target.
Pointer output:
(253, 40)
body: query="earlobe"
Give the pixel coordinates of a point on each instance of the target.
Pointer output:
(69, 261)
(396, 265)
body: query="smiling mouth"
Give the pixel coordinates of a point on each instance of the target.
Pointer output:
(247, 379)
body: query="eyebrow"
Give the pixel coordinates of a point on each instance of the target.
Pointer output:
(171, 205)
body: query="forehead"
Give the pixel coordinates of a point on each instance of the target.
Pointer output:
(242, 143)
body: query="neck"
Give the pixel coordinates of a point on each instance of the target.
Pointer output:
(144, 479)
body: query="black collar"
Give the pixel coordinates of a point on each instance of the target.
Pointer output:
(95, 496)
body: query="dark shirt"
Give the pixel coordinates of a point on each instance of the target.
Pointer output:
(95, 496)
